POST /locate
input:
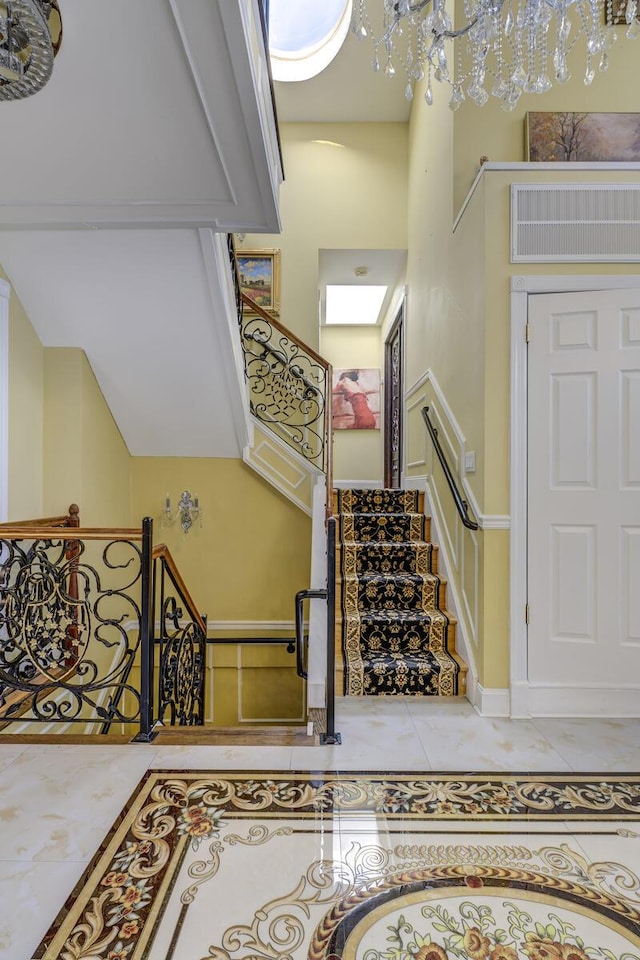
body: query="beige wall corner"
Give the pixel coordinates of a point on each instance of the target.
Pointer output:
(253, 551)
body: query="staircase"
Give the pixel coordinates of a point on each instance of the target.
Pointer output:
(394, 636)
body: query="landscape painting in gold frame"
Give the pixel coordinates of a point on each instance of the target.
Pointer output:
(260, 277)
(573, 137)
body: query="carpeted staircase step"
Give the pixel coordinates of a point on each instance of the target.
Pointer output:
(395, 632)
(397, 527)
(409, 591)
(387, 557)
(378, 501)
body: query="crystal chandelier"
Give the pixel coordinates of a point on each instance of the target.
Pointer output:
(30, 37)
(503, 49)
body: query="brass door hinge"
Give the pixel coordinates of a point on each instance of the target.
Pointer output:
(527, 332)
(526, 613)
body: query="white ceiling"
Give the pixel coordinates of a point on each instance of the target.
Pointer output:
(155, 124)
(347, 91)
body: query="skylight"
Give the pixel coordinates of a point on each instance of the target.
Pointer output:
(354, 304)
(305, 36)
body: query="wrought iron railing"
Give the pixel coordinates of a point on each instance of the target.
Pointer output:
(289, 384)
(77, 635)
(182, 640)
(290, 390)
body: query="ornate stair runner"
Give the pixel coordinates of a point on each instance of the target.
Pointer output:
(397, 637)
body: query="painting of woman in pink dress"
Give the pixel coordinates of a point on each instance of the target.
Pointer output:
(356, 399)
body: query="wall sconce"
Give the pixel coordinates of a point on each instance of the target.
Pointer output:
(187, 511)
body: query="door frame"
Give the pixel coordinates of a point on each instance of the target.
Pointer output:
(521, 288)
(397, 324)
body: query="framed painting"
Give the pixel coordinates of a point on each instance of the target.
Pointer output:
(572, 137)
(260, 277)
(615, 13)
(356, 399)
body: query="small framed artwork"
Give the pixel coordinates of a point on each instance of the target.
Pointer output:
(260, 277)
(615, 13)
(572, 136)
(356, 399)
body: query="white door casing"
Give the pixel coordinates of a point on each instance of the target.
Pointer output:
(584, 489)
(583, 384)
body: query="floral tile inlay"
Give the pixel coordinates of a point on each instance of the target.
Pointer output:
(240, 866)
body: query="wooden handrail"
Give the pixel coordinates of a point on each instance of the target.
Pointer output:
(14, 531)
(70, 519)
(266, 315)
(162, 552)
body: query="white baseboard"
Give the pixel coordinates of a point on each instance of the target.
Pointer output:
(553, 701)
(488, 701)
(454, 603)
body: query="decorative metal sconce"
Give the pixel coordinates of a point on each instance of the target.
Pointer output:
(187, 511)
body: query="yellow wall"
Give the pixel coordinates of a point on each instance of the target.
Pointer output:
(357, 454)
(489, 131)
(252, 553)
(85, 458)
(458, 304)
(349, 192)
(26, 392)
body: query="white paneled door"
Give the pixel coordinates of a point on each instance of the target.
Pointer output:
(584, 490)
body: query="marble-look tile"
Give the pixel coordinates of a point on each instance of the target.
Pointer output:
(9, 752)
(374, 743)
(586, 744)
(223, 758)
(31, 895)
(57, 805)
(483, 743)
(440, 708)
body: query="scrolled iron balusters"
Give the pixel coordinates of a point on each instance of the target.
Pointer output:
(68, 636)
(182, 665)
(287, 388)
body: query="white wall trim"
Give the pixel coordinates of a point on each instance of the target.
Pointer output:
(455, 602)
(486, 521)
(317, 655)
(226, 329)
(5, 292)
(526, 699)
(490, 702)
(582, 701)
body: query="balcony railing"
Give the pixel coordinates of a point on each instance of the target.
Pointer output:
(78, 631)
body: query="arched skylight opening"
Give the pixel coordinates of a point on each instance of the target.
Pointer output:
(305, 36)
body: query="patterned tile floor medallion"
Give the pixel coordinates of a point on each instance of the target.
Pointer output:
(255, 866)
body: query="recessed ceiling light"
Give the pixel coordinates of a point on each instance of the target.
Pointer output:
(354, 304)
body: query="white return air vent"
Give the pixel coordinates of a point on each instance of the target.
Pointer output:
(586, 222)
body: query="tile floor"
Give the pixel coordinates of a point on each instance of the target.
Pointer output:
(57, 802)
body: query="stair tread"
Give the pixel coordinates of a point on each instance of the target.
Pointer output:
(396, 635)
(245, 735)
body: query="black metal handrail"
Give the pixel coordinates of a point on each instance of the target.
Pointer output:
(330, 736)
(461, 504)
(301, 645)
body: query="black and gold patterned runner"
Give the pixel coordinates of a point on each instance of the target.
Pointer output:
(396, 635)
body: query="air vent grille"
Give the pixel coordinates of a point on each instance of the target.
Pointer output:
(581, 222)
